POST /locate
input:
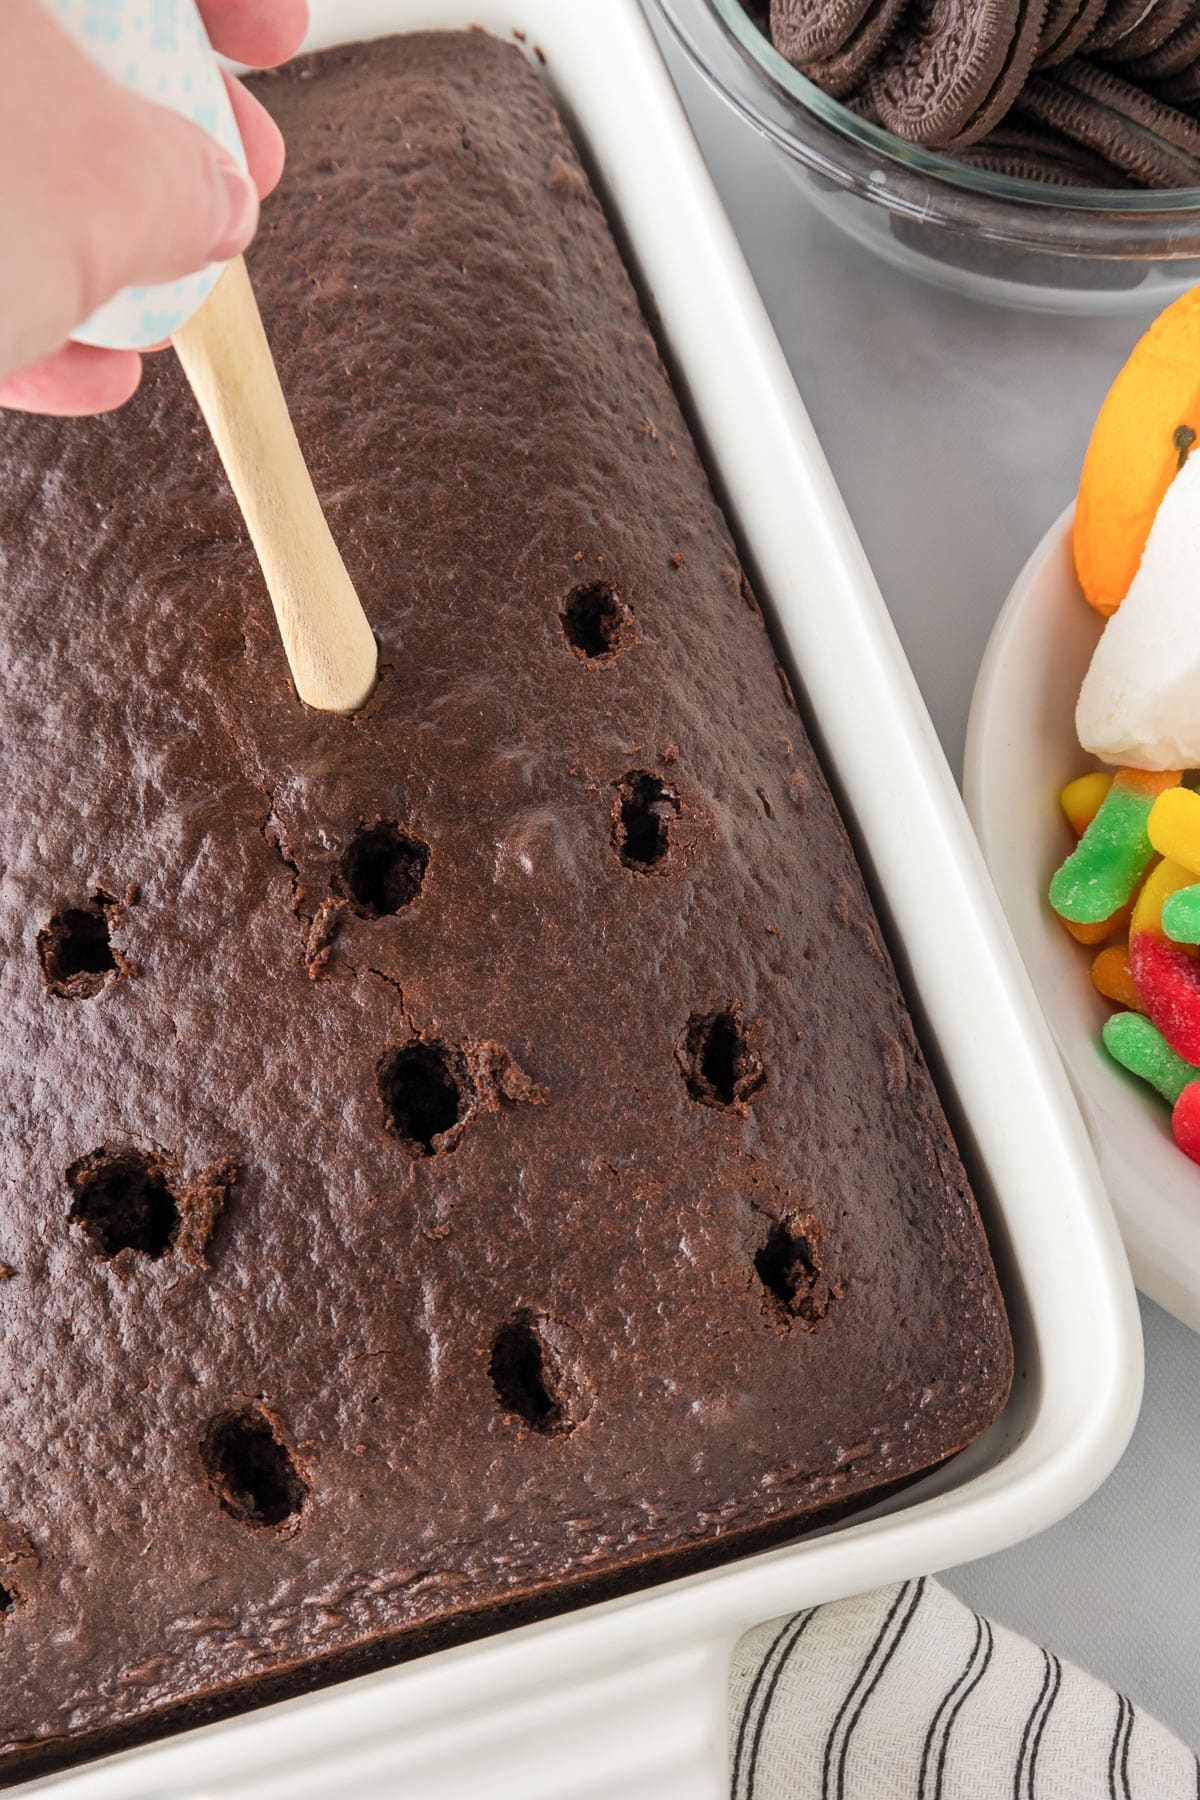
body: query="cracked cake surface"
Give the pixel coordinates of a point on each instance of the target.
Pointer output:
(472, 1156)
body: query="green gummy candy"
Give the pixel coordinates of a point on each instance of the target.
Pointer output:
(1141, 1048)
(1181, 915)
(1106, 865)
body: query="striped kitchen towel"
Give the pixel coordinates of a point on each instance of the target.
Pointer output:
(905, 1694)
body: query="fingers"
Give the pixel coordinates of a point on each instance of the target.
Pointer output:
(261, 136)
(165, 200)
(101, 190)
(73, 381)
(261, 32)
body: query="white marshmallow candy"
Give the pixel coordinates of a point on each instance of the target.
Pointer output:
(1139, 706)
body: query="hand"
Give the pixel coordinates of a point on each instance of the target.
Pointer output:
(100, 190)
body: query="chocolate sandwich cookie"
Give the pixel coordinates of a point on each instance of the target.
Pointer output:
(1159, 24)
(1126, 127)
(1068, 25)
(847, 69)
(1060, 16)
(1121, 87)
(808, 31)
(1120, 17)
(1181, 91)
(861, 104)
(1025, 137)
(1025, 165)
(1141, 109)
(1177, 55)
(954, 68)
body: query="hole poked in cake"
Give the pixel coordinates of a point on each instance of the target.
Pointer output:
(642, 819)
(720, 1066)
(18, 1558)
(426, 1089)
(596, 621)
(11, 1597)
(785, 1264)
(382, 868)
(122, 1199)
(252, 1470)
(537, 1373)
(127, 1199)
(788, 1263)
(75, 950)
(431, 1090)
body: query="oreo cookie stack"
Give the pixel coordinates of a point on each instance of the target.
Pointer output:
(1083, 93)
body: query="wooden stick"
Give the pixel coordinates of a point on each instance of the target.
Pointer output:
(227, 360)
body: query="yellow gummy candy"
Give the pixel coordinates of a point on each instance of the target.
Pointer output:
(1174, 828)
(1082, 799)
(1163, 880)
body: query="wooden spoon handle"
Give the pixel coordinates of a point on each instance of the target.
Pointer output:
(227, 360)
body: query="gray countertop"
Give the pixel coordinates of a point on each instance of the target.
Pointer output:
(956, 430)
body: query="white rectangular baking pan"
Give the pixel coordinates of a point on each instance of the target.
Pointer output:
(627, 1699)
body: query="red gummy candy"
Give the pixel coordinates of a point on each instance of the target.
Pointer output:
(1185, 1120)
(1168, 980)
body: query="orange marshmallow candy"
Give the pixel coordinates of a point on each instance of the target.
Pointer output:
(1141, 440)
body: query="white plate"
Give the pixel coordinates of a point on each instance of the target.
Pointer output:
(628, 1698)
(1021, 750)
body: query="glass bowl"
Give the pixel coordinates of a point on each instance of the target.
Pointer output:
(1022, 243)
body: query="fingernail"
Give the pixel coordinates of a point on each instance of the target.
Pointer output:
(241, 199)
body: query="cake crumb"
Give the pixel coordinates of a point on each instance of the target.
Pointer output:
(17, 1555)
(870, 938)
(200, 1202)
(564, 178)
(895, 1063)
(800, 788)
(318, 944)
(500, 1080)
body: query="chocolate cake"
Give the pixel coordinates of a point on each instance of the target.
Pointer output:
(471, 1156)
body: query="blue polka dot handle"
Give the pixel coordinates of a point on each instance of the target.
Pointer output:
(160, 49)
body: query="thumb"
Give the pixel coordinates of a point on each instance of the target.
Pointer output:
(99, 189)
(168, 200)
